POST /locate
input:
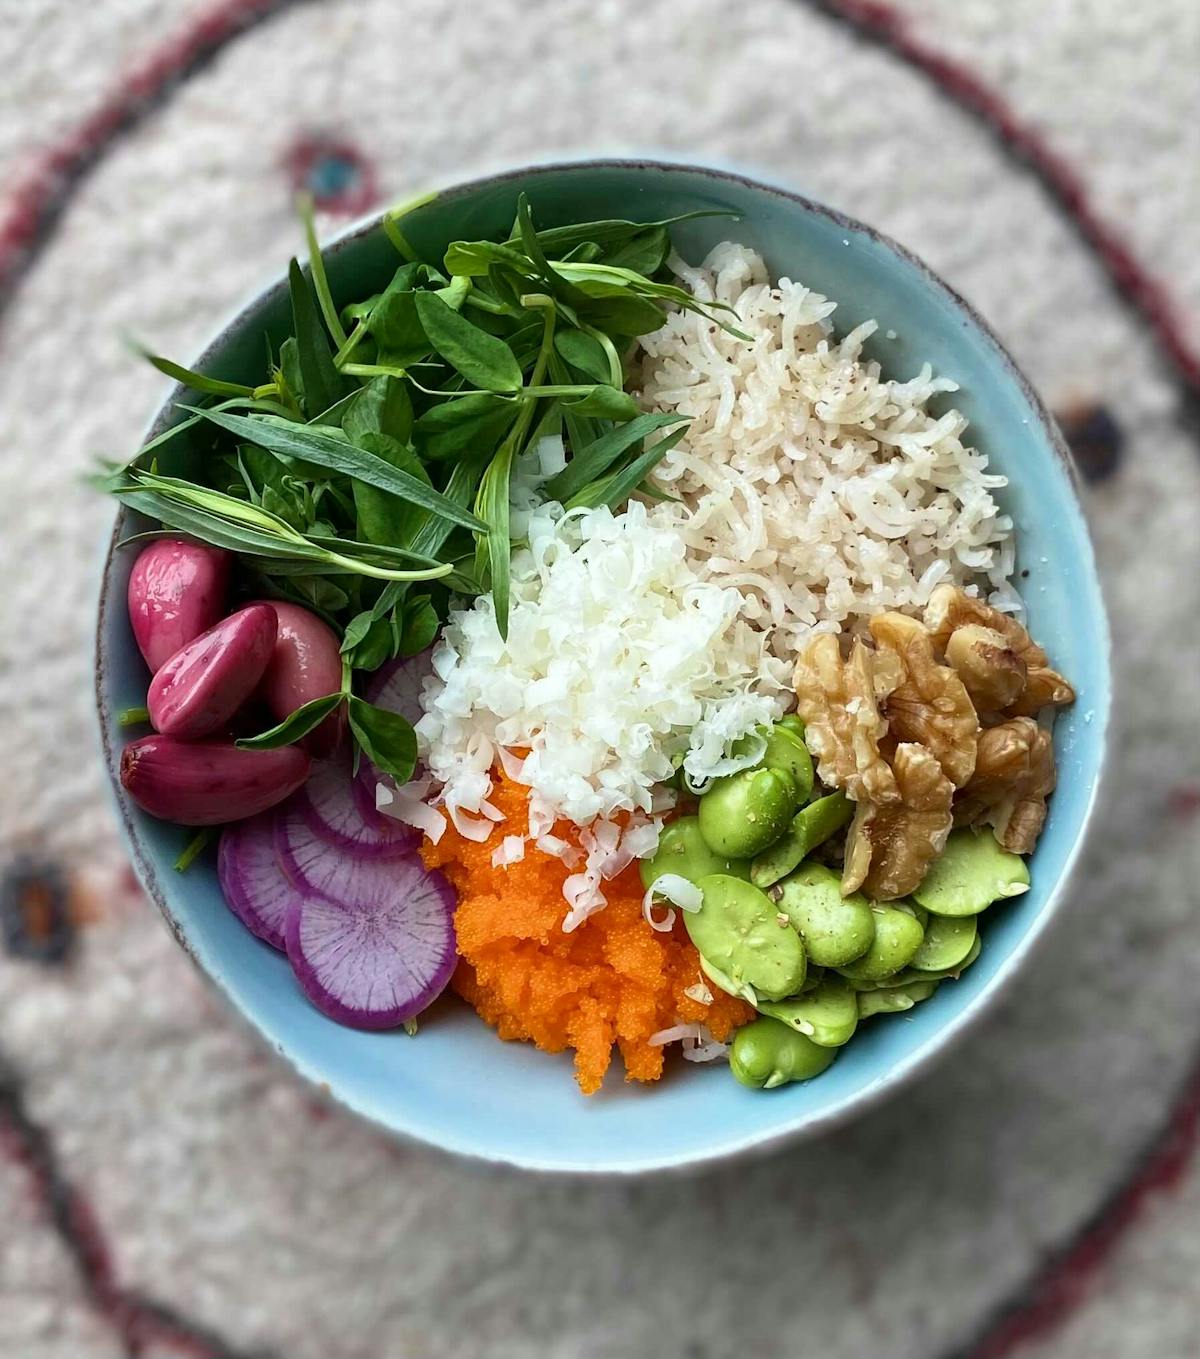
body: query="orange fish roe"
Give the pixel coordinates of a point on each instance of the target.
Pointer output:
(612, 981)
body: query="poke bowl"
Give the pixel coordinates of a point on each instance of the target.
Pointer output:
(604, 613)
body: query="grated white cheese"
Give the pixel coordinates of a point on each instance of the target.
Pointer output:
(511, 850)
(696, 1042)
(679, 891)
(621, 658)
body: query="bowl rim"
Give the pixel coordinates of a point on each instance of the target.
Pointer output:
(801, 1125)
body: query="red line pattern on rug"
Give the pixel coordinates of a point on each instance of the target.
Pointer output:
(33, 205)
(894, 31)
(1071, 1278)
(142, 1324)
(34, 201)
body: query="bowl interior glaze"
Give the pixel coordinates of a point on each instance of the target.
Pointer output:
(458, 1087)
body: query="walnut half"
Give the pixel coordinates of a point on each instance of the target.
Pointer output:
(837, 700)
(1014, 775)
(930, 705)
(889, 849)
(950, 609)
(991, 669)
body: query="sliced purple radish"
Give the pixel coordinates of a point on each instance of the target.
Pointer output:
(312, 862)
(332, 809)
(376, 958)
(256, 889)
(395, 687)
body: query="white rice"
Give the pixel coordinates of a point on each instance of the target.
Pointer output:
(821, 489)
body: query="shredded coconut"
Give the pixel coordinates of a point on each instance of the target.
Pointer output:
(822, 490)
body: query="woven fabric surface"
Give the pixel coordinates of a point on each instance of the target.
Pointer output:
(166, 1188)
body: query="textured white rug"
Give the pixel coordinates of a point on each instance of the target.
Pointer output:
(166, 1189)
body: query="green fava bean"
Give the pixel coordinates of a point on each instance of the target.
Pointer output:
(890, 1000)
(810, 827)
(742, 814)
(828, 1014)
(948, 940)
(970, 873)
(898, 935)
(741, 932)
(787, 751)
(835, 929)
(766, 1054)
(921, 974)
(682, 850)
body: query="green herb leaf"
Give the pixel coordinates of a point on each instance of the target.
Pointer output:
(614, 489)
(452, 428)
(556, 241)
(420, 626)
(384, 518)
(624, 314)
(376, 646)
(386, 738)
(295, 726)
(482, 359)
(133, 717)
(645, 252)
(278, 541)
(474, 259)
(597, 458)
(198, 382)
(383, 406)
(581, 429)
(289, 376)
(393, 320)
(461, 488)
(605, 403)
(316, 265)
(586, 252)
(356, 630)
(529, 239)
(323, 384)
(333, 415)
(339, 455)
(585, 353)
(317, 593)
(491, 504)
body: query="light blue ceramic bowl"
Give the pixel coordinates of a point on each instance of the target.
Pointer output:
(457, 1086)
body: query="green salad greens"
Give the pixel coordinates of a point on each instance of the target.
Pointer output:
(367, 476)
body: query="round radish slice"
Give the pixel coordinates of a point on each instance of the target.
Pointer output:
(333, 810)
(255, 887)
(313, 863)
(379, 956)
(395, 687)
